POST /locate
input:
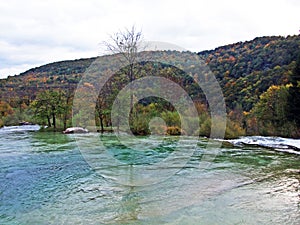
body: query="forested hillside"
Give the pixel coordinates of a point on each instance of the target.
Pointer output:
(58, 75)
(247, 69)
(249, 73)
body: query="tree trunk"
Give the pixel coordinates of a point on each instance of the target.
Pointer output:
(131, 78)
(48, 120)
(66, 110)
(101, 123)
(54, 121)
(65, 121)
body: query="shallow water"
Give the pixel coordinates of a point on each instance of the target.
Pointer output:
(48, 178)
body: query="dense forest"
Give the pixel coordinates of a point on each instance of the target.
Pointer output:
(259, 80)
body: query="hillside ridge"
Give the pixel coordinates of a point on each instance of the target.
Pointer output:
(244, 70)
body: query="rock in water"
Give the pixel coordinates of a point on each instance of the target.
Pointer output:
(77, 130)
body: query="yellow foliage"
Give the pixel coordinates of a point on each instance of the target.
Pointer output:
(5, 109)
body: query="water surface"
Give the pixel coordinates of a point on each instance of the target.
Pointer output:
(45, 179)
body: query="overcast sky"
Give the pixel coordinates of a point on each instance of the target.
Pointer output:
(36, 32)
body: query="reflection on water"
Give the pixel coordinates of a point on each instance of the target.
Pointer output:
(44, 179)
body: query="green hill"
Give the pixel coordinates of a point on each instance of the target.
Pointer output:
(245, 70)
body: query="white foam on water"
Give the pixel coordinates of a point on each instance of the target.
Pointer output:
(289, 145)
(10, 129)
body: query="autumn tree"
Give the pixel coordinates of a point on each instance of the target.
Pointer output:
(5, 110)
(271, 112)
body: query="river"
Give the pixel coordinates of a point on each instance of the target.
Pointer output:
(52, 178)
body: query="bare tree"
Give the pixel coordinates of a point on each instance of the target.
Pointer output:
(127, 43)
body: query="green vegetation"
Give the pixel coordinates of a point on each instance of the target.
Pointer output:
(293, 100)
(260, 80)
(270, 113)
(49, 106)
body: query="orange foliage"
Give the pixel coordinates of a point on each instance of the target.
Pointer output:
(5, 109)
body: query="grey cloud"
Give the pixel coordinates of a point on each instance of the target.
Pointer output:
(34, 32)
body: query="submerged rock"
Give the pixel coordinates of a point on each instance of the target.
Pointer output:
(77, 130)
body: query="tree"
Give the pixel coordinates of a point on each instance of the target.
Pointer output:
(66, 105)
(41, 108)
(102, 108)
(271, 112)
(48, 105)
(5, 109)
(294, 95)
(127, 43)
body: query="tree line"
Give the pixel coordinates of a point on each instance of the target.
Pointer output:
(259, 79)
(276, 113)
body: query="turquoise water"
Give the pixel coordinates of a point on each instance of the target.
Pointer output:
(48, 178)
